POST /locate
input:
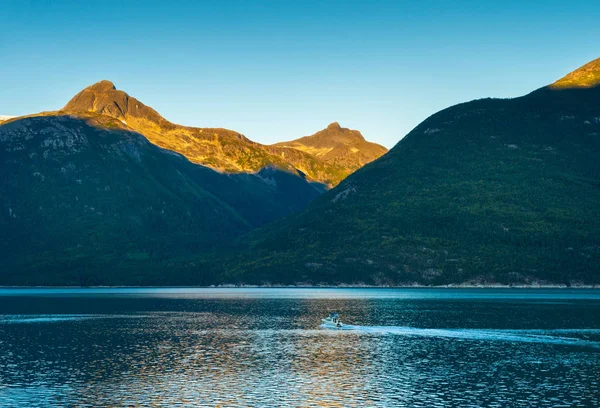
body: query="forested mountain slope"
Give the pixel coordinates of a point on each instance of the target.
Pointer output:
(86, 200)
(494, 191)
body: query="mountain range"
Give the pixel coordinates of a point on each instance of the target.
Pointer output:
(107, 185)
(229, 151)
(492, 191)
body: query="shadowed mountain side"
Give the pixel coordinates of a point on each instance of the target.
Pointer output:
(86, 201)
(489, 191)
(221, 149)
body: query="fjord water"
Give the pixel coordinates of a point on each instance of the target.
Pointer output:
(264, 347)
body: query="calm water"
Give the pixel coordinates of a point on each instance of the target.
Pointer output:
(264, 347)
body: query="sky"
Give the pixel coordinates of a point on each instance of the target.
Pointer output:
(279, 70)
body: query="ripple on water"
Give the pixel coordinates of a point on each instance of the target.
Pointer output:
(269, 352)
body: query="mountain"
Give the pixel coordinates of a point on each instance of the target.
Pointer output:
(5, 117)
(490, 191)
(345, 149)
(107, 191)
(221, 149)
(85, 200)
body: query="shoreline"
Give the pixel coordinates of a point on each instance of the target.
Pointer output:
(231, 286)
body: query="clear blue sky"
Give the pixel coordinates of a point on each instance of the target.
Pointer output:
(277, 70)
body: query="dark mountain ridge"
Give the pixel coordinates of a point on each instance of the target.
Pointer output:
(490, 191)
(86, 200)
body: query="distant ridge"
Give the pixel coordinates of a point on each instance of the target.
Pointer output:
(339, 146)
(226, 150)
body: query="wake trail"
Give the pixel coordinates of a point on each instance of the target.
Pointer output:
(57, 318)
(557, 336)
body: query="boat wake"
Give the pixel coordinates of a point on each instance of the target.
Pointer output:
(555, 336)
(56, 318)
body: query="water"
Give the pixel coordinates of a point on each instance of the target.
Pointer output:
(264, 347)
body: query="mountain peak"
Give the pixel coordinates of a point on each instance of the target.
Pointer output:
(104, 98)
(338, 146)
(587, 76)
(103, 85)
(334, 134)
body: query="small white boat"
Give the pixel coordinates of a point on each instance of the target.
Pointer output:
(332, 321)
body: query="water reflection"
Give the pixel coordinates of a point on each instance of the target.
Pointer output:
(269, 351)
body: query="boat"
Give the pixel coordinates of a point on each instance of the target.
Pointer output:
(332, 321)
